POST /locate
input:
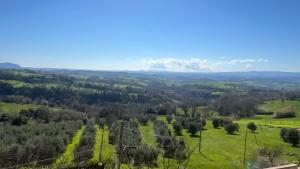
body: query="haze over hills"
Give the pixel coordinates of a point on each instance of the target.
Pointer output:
(8, 65)
(262, 75)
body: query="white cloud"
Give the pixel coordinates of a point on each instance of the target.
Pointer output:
(174, 64)
(197, 64)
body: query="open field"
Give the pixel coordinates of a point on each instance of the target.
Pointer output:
(221, 150)
(274, 106)
(14, 108)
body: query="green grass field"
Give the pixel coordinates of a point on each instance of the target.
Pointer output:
(96, 152)
(14, 108)
(221, 150)
(274, 106)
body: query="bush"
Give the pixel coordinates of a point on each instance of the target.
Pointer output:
(177, 128)
(286, 112)
(283, 132)
(231, 128)
(169, 118)
(216, 123)
(145, 155)
(292, 136)
(224, 121)
(193, 129)
(143, 119)
(18, 121)
(251, 126)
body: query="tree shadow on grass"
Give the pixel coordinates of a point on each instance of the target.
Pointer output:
(209, 159)
(233, 134)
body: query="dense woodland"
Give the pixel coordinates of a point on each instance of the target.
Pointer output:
(68, 100)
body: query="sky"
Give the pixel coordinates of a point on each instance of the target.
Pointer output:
(164, 35)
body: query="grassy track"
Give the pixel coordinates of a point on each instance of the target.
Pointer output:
(67, 158)
(147, 133)
(107, 149)
(96, 152)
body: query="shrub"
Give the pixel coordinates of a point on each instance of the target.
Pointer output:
(177, 128)
(292, 136)
(143, 119)
(18, 121)
(216, 123)
(283, 132)
(224, 121)
(169, 118)
(145, 155)
(193, 129)
(251, 126)
(286, 112)
(231, 128)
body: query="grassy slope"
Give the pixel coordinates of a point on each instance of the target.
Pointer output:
(67, 157)
(221, 150)
(279, 122)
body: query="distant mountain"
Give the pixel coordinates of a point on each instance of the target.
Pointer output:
(9, 66)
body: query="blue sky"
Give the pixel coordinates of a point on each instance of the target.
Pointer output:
(173, 35)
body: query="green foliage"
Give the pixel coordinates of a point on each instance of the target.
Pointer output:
(67, 158)
(169, 118)
(145, 155)
(30, 142)
(143, 119)
(231, 128)
(193, 129)
(216, 123)
(177, 128)
(292, 136)
(83, 150)
(252, 126)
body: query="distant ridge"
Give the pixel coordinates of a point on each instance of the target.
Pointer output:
(9, 66)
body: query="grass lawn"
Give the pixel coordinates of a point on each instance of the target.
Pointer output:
(147, 133)
(221, 150)
(14, 108)
(277, 105)
(274, 106)
(67, 158)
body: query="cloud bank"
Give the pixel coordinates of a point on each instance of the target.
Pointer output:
(197, 64)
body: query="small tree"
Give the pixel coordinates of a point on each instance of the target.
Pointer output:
(283, 132)
(193, 129)
(216, 123)
(177, 128)
(231, 128)
(251, 126)
(292, 136)
(169, 118)
(144, 119)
